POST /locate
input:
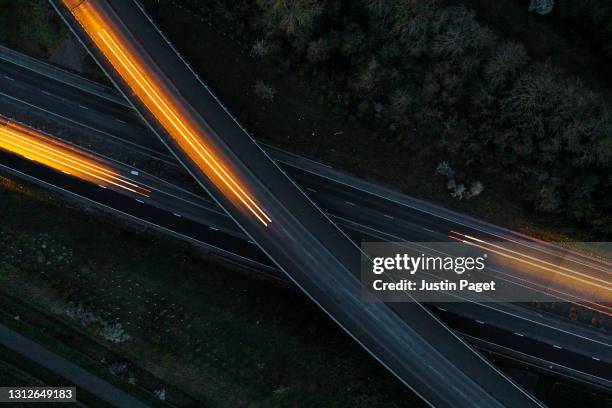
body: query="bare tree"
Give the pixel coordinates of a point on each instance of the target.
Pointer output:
(400, 102)
(547, 199)
(259, 48)
(293, 17)
(461, 32)
(507, 59)
(368, 80)
(264, 91)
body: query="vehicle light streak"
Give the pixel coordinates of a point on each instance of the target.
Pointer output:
(62, 157)
(591, 281)
(154, 94)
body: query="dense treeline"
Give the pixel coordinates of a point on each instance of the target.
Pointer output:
(431, 75)
(29, 25)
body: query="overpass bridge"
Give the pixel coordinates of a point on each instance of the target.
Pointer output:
(269, 208)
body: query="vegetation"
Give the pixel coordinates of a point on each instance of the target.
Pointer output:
(30, 25)
(431, 76)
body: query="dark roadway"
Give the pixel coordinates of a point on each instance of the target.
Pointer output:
(62, 99)
(515, 329)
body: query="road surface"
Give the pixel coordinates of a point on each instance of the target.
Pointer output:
(559, 351)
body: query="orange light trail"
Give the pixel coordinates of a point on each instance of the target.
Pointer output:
(160, 102)
(583, 278)
(59, 156)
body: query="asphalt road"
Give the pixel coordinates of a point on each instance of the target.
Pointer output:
(57, 99)
(168, 208)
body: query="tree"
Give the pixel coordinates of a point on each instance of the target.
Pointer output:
(295, 18)
(259, 48)
(264, 91)
(505, 62)
(460, 32)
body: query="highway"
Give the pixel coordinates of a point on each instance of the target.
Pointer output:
(503, 326)
(274, 212)
(511, 329)
(389, 215)
(56, 95)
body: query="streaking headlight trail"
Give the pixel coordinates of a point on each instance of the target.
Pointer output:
(153, 94)
(52, 153)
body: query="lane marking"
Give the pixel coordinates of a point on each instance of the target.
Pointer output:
(350, 203)
(388, 216)
(9, 78)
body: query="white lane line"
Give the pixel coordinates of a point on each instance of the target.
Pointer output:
(9, 78)
(120, 121)
(350, 203)
(439, 308)
(100, 185)
(595, 358)
(46, 92)
(388, 216)
(480, 321)
(427, 229)
(557, 347)
(83, 107)
(213, 228)
(519, 334)
(311, 189)
(139, 200)
(177, 215)
(134, 173)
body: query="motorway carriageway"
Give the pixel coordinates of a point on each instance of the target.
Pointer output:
(328, 190)
(172, 200)
(59, 95)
